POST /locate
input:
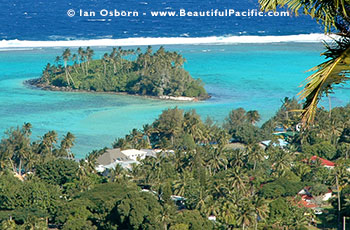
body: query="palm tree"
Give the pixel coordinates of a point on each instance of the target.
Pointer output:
(148, 130)
(222, 137)
(300, 217)
(46, 145)
(255, 154)
(74, 59)
(166, 216)
(89, 54)
(345, 138)
(8, 224)
(333, 14)
(112, 57)
(16, 150)
(181, 183)
(335, 131)
(57, 60)
(170, 123)
(118, 174)
(261, 208)
(146, 58)
(81, 58)
(105, 60)
(253, 117)
(83, 61)
(237, 179)
(27, 127)
(301, 169)
(280, 159)
(193, 125)
(235, 118)
(340, 178)
(67, 143)
(217, 160)
(204, 199)
(135, 136)
(246, 214)
(236, 158)
(66, 55)
(228, 211)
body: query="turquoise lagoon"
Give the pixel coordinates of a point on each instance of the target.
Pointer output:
(252, 76)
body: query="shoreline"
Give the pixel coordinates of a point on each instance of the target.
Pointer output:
(34, 83)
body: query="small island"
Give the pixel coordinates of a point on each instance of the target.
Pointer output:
(157, 74)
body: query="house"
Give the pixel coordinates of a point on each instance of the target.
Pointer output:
(108, 158)
(151, 152)
(125, 158)
(281, 143)
(135, 154)
(324, 162)
(314, 203)
(308, 202)
(306, 191)
(179, 201)
(279, 129)
(327, 195)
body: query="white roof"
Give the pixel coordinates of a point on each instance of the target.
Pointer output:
(281, 143)
(129, 152)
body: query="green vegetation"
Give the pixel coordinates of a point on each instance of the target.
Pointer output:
(244, 187)
(126, 71)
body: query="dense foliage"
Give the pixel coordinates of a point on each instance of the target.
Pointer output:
(217, 169)
(153, 74)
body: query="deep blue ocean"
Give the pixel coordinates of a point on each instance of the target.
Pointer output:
(237, 74)
(48, 20)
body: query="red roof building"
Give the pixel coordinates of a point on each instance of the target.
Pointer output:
(324, 162)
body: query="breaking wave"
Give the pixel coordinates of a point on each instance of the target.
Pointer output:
(140, 41)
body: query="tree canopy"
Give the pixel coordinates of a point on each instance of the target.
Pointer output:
(159, 73)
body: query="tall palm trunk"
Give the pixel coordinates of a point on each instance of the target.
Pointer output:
(114, 66)
(104, 65)
(330, 106)
(13, 166)
(82, 67)
(148, 140)
(339, 205)
(75, 68)
(254, 165)
(20, 167)
(71, 78)
(86, 68)
(66, 71)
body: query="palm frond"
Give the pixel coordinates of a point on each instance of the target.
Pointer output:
(332, 72)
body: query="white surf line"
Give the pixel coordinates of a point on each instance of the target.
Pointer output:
(140, 41)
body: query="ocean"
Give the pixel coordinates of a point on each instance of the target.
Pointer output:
(48, 20)
(244, 62)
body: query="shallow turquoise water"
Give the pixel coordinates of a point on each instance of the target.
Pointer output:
(253, 76)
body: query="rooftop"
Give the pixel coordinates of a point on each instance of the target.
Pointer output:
(110, 156)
